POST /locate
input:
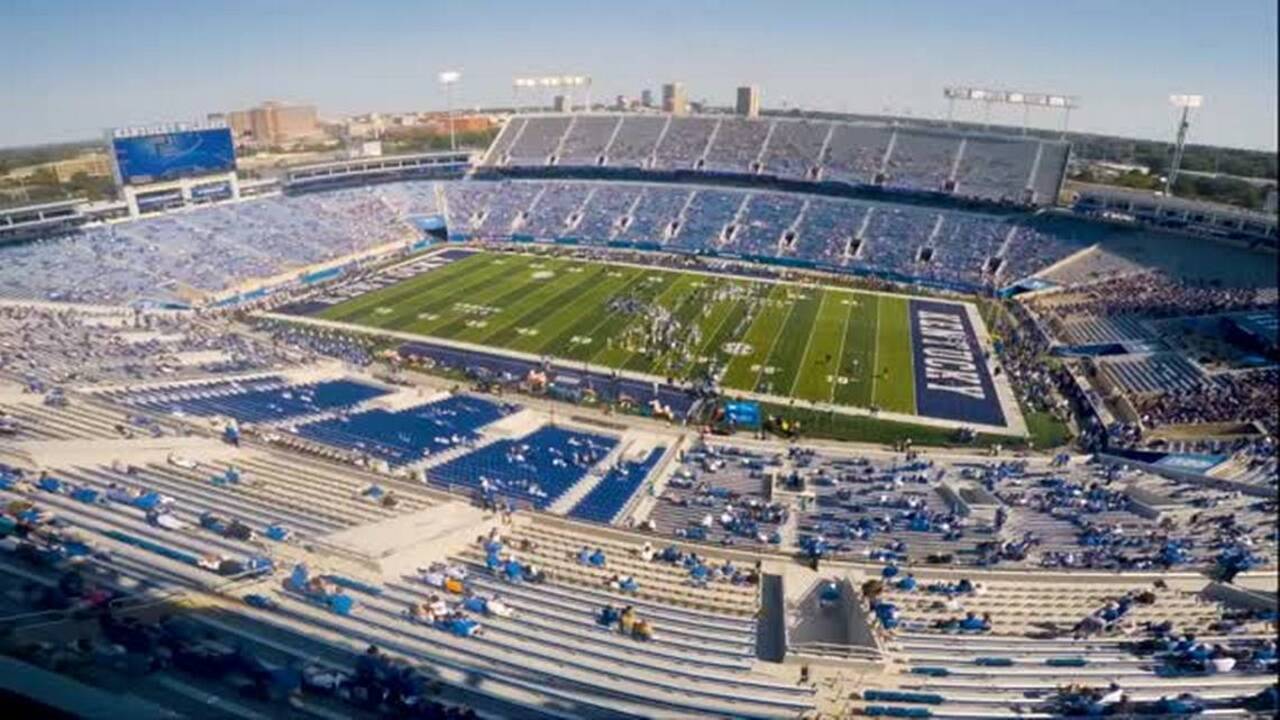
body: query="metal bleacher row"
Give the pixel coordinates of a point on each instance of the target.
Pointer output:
(1082, 517)
(1152, 373)
(699, 664)
(69, 422)
(1017, 169)
(1029, 653)
(711, 482)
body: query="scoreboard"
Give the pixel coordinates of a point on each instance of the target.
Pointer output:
(142, 157)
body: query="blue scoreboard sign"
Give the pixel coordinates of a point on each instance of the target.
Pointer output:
(158, 157)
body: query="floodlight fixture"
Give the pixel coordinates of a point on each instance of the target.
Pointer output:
(990, 96)
(448, 79)
(1187, 103)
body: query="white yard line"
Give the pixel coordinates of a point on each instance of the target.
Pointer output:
(808, 345)
(764, 362)
(875, 352)
(724, 318)
(844, 337)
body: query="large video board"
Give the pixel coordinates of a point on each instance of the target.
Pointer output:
(158, 157)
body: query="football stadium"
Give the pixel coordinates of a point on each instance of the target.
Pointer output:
(638, 412)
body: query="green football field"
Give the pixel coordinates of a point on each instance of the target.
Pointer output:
(816, 344)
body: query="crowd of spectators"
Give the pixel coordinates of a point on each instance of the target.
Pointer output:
(684, 143)
(765, 219)
(555, 207)
(961, 250)
(737, 145)
(538, 140)
(1154, 294)
(206, 250)
(587, 139)
(704, 220)
(1244, 396)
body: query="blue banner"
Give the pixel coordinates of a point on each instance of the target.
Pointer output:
(743, 414)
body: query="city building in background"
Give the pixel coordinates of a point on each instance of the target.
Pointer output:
(646, 98)
(674, 99)
(271, 123)
(749, 101)
(275, 123)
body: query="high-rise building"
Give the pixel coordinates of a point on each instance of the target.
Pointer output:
(238, 121)
(560, 103)
(749, 101)
(273, 123)
(646, 98)
(674, 99)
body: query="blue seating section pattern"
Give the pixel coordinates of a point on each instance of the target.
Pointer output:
(537, 468)
(606, 499)
(409, 435)
(986, 166)
(259, 400)
(209, 249)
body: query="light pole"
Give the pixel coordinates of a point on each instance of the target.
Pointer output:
(1186, 102)
(449, 78)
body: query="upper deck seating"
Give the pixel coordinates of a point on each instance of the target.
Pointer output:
(684, 143)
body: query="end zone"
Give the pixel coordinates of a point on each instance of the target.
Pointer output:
(953, 372)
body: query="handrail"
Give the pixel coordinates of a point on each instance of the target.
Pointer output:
(826, 649)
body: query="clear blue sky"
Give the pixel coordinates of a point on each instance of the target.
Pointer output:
(69, 68)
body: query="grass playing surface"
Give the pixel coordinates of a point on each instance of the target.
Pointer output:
(816, 344)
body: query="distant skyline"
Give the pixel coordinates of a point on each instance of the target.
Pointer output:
(74, 67)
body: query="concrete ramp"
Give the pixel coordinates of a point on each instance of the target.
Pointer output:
(397, 545)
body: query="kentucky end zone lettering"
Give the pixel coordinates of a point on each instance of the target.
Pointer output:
(951, 375)
(948, 357)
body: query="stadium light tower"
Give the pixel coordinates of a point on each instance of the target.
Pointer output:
(448, 79)
(1186, 102)
(1028, 101)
